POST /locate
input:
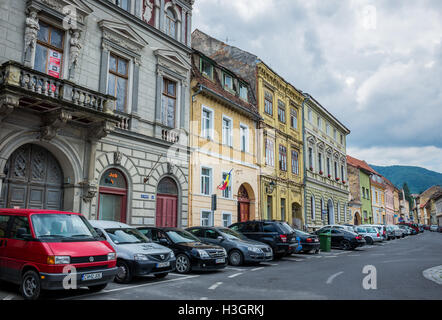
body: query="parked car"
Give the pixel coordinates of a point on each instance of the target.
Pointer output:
(309, 242)
(426, 227)
(433, 228)
(239, 248)
(339, 226)
(36, 245)
(277, 234)
(391, 233)
(343, 239)
(382, 229)
(405, 229)
(398, 232)
(370, 234)
(136, 254)
(191, 254)
(439, 229)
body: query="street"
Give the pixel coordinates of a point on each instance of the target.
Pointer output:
(336, 275)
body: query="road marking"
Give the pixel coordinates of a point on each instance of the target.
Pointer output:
(216, 285)
(204, 298)
(269, 264)
(378, 254)
(235, 275)
(332, 277)
(236, 269)
(292, 259)
(354, 255)
(330, 256)
(8, 297)
(178, 275)
(434, 274)
(130, 287)
(256, 269)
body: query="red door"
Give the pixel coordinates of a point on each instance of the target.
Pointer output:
(244, 211)
(166, 215)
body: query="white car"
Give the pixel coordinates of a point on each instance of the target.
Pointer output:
(371, 234)
(136, 254)
(433, 228)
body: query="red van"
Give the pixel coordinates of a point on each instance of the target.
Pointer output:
(38, 249)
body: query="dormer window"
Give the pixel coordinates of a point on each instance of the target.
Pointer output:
(243, 93)
(228, 82)
(206, 69)
(171, 23)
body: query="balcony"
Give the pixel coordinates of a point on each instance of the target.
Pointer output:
(33, 91)
(324, 179)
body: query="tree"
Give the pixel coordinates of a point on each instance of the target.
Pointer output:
(408, 196)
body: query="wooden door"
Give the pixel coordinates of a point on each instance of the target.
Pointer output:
(244, 211)
(166, 215)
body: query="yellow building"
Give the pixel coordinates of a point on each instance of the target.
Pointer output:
(378, 199)
(222, 140)
(281, 154)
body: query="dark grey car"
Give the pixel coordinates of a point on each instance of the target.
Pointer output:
(239, 249)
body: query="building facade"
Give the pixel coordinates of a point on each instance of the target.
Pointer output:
(280, 150)
(389, 202)
(404, 208)
(396, 205)
(378, 198)
(93, 96)
(327, 189)
(223, 143)
(359, 173)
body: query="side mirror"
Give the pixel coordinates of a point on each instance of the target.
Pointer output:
(21, 234)
(164, 241)
(220, 238)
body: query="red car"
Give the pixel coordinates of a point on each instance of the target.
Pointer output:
(39, 250)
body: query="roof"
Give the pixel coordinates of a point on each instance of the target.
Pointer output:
(109, 224)
(360, 164)
(39, 211)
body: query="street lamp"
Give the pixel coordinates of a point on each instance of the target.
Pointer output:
(270, 187)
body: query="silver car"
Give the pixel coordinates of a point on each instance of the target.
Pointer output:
(433, 228)
(371, 234)
(382, 230)
(136, 254)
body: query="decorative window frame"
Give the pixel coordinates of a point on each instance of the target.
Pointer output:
(211, 217)
(227, 214)
(210, 181)
(212, 121)
(230, 142)
(179, 23)
(247, 130)
(122, 40)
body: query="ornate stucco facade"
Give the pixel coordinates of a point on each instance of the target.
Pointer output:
(327, 190)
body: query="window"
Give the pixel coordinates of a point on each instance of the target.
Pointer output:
(282, 209)
(123, 4)
(294, 118)
(19, 223)
(328, 166)
(227, 219)
(207, 121)
(327, 129)
(244, 135)
(319, 123)
(269, 227)
(49, 50)
(228, 82)
(295, 162)
(4, 220)
(227, 194)
(168, 110)
(320, 161)
(117, 80)
(310, 157)
(334, 134)
(171, 23)
(243, 92)
(269, 206)
(312, 207)
(363, 192)
(227, 131)
(270, 153)
(206, 181)
(310, 116)
(336, 170)
(281, 111)
(206, 69)
(206, 219)
(268, 103)
(282, 158)
(342, 172)
(338, 207)
(342, 139)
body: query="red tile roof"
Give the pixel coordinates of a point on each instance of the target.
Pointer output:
(360, 164)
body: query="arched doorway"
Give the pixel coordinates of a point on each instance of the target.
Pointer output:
(112, 201)
(296, 215)
(167, 204)
(330, 212)
(243, 204)
(358, 219)
(34, 180)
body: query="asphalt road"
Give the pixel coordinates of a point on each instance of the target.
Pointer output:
(338, 275)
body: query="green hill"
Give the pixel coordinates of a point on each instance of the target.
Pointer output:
(418, 179)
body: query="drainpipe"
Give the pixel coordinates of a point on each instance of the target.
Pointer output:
(306, 98)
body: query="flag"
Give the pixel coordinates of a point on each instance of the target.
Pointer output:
(226, 182)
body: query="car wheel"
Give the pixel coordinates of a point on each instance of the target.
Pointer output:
(161, 275)
(183, 264)
(30, 287)
(307, 251)
(124, 274)
(345, 245)
(236, 258)
(369, 240)
(97, 288)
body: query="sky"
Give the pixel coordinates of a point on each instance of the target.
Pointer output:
(376, 65)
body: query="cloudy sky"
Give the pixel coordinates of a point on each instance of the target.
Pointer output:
(376, 65)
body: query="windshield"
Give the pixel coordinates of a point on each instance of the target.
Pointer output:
(181, 236)
(300, 233)
(126, 236)
(65, 227)
(232, 235)
(285, 227)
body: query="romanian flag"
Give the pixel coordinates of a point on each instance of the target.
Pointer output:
(226, 182)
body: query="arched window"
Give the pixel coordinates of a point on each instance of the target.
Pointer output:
(313, 207)
(339, 211)
(113, 196)
(322, 208)
(171, 23)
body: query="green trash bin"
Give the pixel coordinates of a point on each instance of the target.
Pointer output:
(325, 242)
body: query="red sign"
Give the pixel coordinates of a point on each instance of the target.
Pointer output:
(54, 63)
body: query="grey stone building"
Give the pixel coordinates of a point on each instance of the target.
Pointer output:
(94, 108)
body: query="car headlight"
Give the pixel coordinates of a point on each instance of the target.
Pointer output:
(59, 260)
(140, 257)
(111, 256)
(254, 249)
(203, 254)
(172, 255)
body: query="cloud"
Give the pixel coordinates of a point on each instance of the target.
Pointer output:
(379, 76)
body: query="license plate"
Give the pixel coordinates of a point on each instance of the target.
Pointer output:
(220, 260)
(163, 265)
(316, 240)
(92, 276)
(268, 254)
